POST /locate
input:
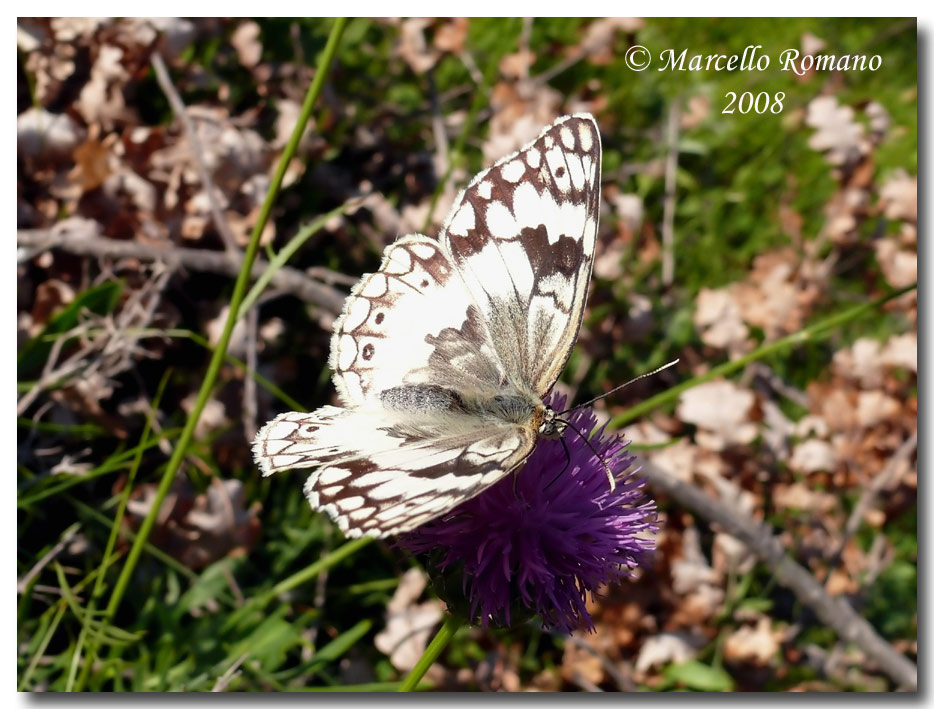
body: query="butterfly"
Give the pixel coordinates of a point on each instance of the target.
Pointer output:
(442, 359)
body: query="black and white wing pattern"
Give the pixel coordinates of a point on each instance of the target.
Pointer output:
(521, 236)
(381, 473)
(442, 357)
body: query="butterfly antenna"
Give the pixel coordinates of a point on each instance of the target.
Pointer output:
(621, 386)
(567, 462)
(606, 467)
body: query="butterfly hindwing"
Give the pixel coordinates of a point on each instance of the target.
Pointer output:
(382, 473)
(522, 236)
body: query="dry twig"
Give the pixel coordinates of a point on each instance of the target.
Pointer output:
(69, 534)
(759, 538)
(178, 106)
(80, 237)
(879, 483)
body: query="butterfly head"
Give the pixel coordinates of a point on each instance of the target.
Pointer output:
(551, 426)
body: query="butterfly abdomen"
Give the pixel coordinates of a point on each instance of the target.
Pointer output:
(421, 398)
(511, 407)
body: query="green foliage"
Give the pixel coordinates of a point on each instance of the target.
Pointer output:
(697, 677)
(179, 629)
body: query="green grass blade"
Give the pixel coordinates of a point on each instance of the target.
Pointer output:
(239, 291)
(94, 640)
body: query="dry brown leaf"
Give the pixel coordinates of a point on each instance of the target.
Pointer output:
(773, 298)
(51, 296)
(758, 645)
(721, 411)
(238, 338)
(861, 362)
(608, 261)
(31, 33)
(412, 46)
(678, 459)
(517, 65)
(838, 134)
(811, 44)
(696, 112)
(94, 160)
(630, 210)
(578, 661)
(836, 406)
(126, 186)
(874, 407)
(198, 529)
(287, 117)
(663, 649)
(213, 416)
(718, 319)
(839, 582)
(777, 428)
(812, 456)
(901, 351)
(48, 135)
(601, 34)
(450, 36)
(731, 556)
(518, 119)
(409, 625)
(692, 570)
(899, 266)
(898, 196)
(67, 30)
(799, 496)
(101, 99)
(175, 33)
(245, 41)
(879, 120)
(811, 425)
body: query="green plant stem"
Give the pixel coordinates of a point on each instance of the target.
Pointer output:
(236, 299)
(287, 251)
(440, 641)
(811, 332)
(98, 590)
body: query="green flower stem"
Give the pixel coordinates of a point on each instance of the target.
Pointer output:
(236, 299)
(440, 641)
(811, 332)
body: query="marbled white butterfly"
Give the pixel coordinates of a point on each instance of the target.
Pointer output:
(442, 358)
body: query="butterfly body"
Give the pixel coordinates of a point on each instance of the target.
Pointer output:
(442, 358)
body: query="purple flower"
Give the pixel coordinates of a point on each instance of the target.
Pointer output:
(539, 541)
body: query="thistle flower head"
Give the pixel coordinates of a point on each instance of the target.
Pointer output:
(543, 538)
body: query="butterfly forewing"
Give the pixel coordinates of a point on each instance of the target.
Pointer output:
(522, 236)
(428, 347)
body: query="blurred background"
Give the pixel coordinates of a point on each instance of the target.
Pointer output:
(145, 150)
